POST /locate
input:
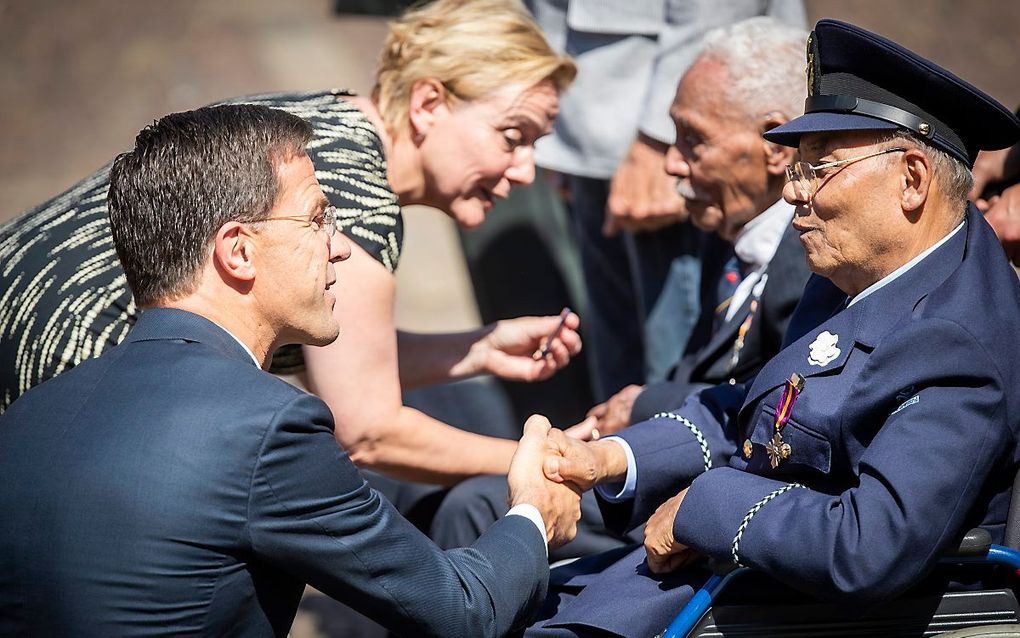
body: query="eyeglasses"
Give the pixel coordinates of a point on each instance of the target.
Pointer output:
(804, 176)
(325, 222)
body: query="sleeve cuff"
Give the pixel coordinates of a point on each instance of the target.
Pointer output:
(619, 492)
(530, 512)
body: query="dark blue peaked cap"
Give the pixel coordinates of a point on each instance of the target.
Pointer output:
(861, 81)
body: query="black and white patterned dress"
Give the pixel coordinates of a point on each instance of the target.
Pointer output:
(64, 297)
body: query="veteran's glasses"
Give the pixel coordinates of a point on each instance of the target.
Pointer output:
(805, 179)
(325, 221)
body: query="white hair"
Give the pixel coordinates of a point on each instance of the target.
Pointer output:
(766, 61)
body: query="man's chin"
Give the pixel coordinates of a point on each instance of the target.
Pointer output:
(705, 217)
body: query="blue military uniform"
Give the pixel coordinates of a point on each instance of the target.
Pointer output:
(903, 434)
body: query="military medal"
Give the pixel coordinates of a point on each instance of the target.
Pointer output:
(778, 449)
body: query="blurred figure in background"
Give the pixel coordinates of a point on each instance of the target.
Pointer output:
(639, 260)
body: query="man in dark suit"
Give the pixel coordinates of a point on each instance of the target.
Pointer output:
(172, 487)
(887, 425)
(746, 80)
(753, 268)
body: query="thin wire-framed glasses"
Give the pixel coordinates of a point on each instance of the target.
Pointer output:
(325, 222)
(804, 176)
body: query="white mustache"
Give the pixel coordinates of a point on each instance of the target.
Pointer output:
(685, 190)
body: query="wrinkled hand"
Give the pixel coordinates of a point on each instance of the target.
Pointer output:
(560, 504)
(614, 415)
(642, 196)
(586, 465)
(510, 348)
(665, 553)
(1004, 215)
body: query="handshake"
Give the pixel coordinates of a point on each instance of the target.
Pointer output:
(551, 470)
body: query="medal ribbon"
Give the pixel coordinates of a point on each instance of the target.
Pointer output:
(785, 407)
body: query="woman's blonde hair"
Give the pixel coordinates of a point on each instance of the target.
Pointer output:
(473, 47)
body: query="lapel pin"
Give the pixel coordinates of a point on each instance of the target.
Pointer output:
(823, 349)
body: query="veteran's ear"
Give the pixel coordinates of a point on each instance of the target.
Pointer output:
(777, 156)
(916, 178)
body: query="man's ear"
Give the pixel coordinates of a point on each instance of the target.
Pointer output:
(427, 103)
(777, 156)
(233, 254)
(917, 177)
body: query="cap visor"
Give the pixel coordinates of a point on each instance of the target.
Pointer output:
(789, 134)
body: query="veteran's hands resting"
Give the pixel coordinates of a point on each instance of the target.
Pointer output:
(665, 553)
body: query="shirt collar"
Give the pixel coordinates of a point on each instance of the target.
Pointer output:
(902, 269)
(243, 345)
(758, 240)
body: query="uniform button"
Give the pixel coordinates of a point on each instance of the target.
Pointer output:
(733, 381)
(748, 448)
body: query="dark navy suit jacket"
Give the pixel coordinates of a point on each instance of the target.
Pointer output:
(904, 437)
(708, 357)
(171, 487)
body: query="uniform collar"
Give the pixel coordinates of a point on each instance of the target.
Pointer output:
(866, 322)
(902, 269)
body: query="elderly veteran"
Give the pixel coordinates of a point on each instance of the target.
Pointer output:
(887, 426)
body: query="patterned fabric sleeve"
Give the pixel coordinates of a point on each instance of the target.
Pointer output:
(351, 167)
(64, 297)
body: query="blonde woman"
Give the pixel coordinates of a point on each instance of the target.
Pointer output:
(463, 90)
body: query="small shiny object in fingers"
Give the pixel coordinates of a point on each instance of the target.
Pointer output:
(547, 347)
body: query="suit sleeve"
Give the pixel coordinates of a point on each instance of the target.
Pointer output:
(670, 450)
(918, 479)
(312, 514)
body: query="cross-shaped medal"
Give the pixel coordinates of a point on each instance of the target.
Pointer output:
(778, 451)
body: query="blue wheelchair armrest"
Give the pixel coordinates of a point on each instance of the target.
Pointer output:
(975, 548)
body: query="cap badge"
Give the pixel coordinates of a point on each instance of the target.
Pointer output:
(810, 65)
(823, 349)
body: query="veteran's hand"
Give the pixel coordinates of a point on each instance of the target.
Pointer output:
(614, 415)
(642, 196)
(559, 504)
(584, 464)
(512, 347)
(1004, 216)
(665, 553)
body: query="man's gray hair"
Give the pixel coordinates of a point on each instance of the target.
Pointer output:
(766, 62)
(954, 177)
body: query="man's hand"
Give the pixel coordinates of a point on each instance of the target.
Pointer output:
(584, 464)
(665, 554)
(642, 196)
(509, 349)
(1004, 215)
(559, 504)
(614, 415)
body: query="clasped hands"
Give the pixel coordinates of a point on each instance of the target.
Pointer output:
(583, 465)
